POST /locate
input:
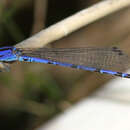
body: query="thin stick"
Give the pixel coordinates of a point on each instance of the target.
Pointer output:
(73, 23)
(40, 9)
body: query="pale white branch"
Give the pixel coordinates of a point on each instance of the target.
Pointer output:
(73, 23)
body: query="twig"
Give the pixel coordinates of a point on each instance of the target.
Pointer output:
(73, 23)
(40, 9)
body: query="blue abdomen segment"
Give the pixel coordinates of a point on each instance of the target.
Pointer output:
(32, 59)
(46, 61)
(120, 74)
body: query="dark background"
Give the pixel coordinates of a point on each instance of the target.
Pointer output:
(31, 94)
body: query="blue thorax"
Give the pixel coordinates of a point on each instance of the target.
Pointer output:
(7, 54)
